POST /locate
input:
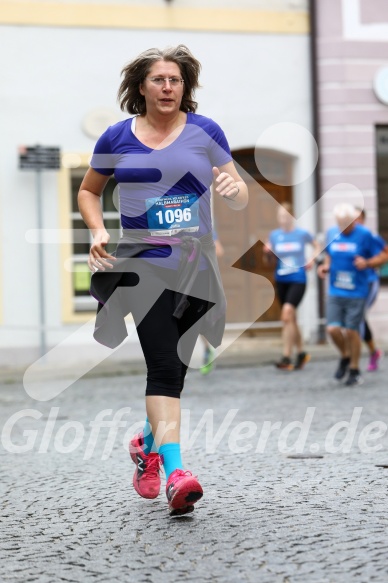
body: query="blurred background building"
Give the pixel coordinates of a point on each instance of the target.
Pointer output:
(60, 69)
(351, 65)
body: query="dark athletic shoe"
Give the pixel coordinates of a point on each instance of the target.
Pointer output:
(302, 359)
(343, 366)
(354, 378)
(182, 490)
(285, 364)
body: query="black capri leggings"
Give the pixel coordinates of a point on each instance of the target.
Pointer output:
(159, 331)
(367, 332)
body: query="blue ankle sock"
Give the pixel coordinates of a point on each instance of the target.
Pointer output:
(172, 460)
(149, 444)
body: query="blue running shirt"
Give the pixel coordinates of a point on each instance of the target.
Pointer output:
(373, 274)
(289, 247)
(345, 280)
(164, 190)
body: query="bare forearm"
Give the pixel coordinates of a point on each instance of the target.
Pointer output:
(316, 251)
(378, 260)
(89, 205)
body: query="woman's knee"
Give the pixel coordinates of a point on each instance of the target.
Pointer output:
(165, 377)
(288, 313)
(332, 330)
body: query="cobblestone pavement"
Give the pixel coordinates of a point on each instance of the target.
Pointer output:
(265, 516)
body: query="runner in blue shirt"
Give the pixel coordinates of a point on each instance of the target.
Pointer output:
(350, 250)
(287, 247)
(166, 159)
(375, 354)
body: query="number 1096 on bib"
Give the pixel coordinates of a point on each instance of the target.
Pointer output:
(176, 212)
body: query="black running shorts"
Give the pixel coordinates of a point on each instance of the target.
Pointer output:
(290, 292)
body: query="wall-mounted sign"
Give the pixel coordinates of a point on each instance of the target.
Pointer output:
(39, 158)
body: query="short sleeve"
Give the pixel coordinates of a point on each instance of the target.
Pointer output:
(219, 150)
(308, 237)
(102, 159)
(381, 243)
(375, 245)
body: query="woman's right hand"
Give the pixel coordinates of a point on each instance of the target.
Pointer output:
(99, 259)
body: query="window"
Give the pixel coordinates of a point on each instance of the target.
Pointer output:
(82, 301)
(382, 188)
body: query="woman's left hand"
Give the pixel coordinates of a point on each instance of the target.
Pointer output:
(226, 185)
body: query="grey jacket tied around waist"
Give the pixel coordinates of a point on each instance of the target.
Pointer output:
(110, 328)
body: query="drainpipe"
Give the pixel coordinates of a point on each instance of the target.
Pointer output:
(321, 335)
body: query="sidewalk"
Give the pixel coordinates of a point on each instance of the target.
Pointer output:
(245, 351)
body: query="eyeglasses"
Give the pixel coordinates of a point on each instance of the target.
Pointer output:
(159, 81)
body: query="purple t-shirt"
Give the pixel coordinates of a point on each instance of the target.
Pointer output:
(167, 190)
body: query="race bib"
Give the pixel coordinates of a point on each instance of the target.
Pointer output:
(287, 266)
(344, 280)
(169, 215)
(288, 247)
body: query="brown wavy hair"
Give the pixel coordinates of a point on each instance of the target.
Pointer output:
(134, 74)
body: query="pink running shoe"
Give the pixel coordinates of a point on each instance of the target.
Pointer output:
(182, 491)
(136, 445)
(146, 479)
(374, 360)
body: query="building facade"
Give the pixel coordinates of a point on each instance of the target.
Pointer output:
(61, 72)
(352, 95)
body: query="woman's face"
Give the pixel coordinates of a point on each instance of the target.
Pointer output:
(164, 99)
(285, 219)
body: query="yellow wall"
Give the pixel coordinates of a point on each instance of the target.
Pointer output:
(168, 17)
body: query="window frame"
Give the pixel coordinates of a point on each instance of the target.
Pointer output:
(70, 312)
